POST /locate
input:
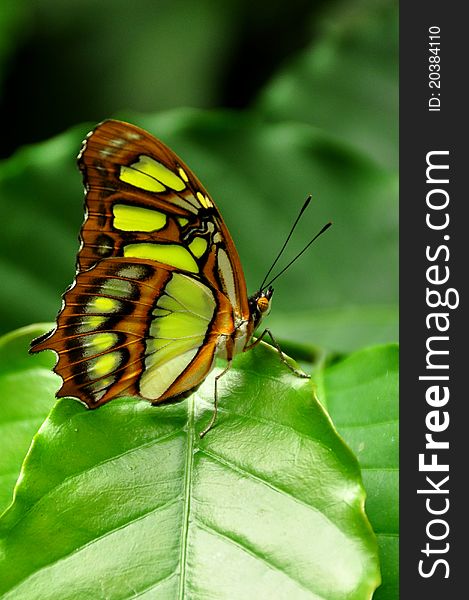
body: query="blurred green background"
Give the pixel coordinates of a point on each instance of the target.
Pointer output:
(267, 102)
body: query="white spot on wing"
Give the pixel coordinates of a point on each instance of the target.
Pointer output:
(118, 143)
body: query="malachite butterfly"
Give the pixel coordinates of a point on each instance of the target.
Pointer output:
(159, 290)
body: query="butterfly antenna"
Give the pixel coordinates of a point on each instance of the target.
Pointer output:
(305, 206)
(299, 254)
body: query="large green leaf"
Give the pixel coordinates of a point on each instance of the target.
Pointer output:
(259, 174)
(347, 81)
(128, 500)
(362, 398)
(26, 388)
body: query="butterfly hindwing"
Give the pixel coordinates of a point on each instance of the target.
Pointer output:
(133, 328)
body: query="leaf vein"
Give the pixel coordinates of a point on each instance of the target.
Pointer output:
(153, 586)
(272, 566)
(255, 477)
(276, 424)
(101, 537)
(91, 468)
(188, 466)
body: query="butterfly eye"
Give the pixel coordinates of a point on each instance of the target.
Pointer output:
(263, 304)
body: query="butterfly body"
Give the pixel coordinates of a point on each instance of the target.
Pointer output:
(159, 290)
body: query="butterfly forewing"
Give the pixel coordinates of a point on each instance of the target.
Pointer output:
(143, 201)
(158, 277)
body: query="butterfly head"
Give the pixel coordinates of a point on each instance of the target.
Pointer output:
(260, 303)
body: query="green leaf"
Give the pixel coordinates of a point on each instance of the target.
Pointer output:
(258, 173)
(128, 500)
(362, 398)
(347, 81)
(26, 388)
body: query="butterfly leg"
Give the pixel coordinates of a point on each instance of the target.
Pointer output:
(296, 372)
(215, 402)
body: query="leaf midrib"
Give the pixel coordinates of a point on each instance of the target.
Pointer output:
(188, 468)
